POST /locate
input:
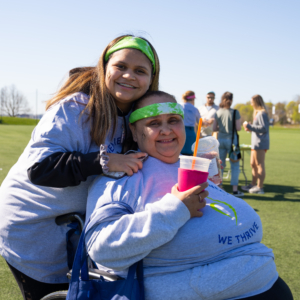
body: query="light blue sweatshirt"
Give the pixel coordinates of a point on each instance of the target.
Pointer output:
(222, 249)
(191, 114)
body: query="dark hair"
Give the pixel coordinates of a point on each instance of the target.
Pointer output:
(226, 96)
(211, 93)
(137, 104)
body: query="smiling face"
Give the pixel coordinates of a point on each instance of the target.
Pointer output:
(161, 136)
(128, 76)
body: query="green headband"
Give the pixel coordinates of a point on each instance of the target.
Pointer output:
(135, 43)
(155, 110)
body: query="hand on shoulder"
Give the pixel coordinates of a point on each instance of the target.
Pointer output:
(129, 164)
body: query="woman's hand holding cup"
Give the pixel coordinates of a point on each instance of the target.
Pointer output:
(193, 199)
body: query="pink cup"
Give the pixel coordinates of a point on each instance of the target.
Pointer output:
(193, 171)
(190, 178)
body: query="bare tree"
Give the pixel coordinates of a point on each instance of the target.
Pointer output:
(13, 102)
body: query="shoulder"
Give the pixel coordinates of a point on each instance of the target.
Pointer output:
(195, 109)
(220, 111)
(237, 113)
(76, 101)
(263, 113)
(68, 108)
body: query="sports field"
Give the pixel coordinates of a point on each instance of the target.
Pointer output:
(279, 207)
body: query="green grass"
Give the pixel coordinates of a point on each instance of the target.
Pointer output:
(17, 121)
(279, 208)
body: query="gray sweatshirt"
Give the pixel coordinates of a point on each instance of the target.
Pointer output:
(162, 233)
(29, 238)
(260, 139)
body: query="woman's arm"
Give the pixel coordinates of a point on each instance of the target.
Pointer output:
(238, 125)
(59, 151)
(119, 244)
(63, 169)
(263, 123)
(122, 242)
(215, 125)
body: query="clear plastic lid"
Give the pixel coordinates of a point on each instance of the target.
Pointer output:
(206, 144)
(201, 164)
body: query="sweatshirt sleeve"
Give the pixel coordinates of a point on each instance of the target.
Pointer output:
(63, 169)
(120, 243)
(61, 152)
(263, 123)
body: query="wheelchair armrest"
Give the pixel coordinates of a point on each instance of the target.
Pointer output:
(96, 274)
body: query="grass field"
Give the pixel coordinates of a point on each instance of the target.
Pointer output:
(17, 121)
(279, 207)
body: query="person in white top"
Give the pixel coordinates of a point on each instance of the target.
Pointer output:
(207, 112)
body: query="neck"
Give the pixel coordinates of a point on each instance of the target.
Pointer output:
(124, 108)
(190, 101)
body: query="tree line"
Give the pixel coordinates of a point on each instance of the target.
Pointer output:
(13, 103)
(285, 113)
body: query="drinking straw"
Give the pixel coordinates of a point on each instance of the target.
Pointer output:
(197, 141)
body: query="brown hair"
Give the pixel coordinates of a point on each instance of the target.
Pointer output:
(187, 94)
(226, 96)
(258, 104)
(102, 109)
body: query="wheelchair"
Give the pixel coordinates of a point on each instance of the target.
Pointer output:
(78, 219)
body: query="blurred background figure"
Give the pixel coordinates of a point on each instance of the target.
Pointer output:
(208, 112)
(224, 124)
(260, 143)
(191, 118)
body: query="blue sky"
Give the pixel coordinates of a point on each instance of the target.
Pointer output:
(245, 47)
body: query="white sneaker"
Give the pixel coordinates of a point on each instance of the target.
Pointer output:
(246, 188)
(256, 190)
(238, 194)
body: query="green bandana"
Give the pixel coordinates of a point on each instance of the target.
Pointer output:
(155, 110)
(135, 43)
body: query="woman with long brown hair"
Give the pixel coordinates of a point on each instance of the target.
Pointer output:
(52, 176)
(260, 143)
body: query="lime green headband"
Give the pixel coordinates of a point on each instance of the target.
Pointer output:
(155, 110)
(135, 43)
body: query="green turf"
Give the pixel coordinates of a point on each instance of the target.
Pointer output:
(279, 208)
(17, 121)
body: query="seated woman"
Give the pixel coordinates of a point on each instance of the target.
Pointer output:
(215, 253)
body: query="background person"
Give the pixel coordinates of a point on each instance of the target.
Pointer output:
(260, 143)
(52, 176)
(183, 249)
(223, 123)
(191, 119)
(207, 112)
